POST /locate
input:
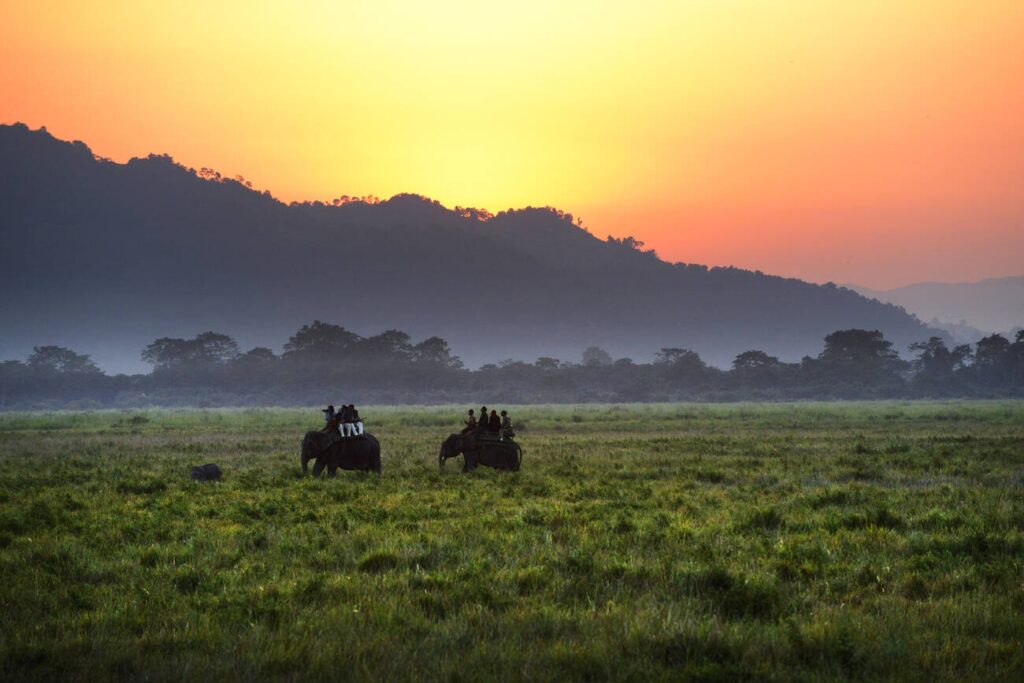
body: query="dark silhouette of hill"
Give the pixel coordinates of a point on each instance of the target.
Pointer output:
(105, 257)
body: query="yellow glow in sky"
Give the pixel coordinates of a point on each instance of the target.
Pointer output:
(869, 142)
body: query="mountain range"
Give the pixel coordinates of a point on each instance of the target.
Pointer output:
(967, 310)
(104, 257)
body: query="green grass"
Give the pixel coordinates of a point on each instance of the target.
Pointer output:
(871, 541)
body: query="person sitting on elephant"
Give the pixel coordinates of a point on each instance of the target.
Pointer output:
(506, 426)
(333, 423)
(481, 425)
(332, 427)
(470, 423)
(357, 424)
(494, 423)
(345, 418)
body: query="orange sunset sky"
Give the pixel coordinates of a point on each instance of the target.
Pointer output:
(877, 143)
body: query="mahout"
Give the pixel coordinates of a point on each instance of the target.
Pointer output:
(479, 449)
(332, 451)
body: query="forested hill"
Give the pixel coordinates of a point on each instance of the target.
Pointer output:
(105, 257)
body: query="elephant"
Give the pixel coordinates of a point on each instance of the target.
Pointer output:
(333, 451)
(502, 455)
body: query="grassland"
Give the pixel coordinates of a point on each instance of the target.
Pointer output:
(875, 541)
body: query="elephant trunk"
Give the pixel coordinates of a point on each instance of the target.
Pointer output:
(449, 449)
(307, 452)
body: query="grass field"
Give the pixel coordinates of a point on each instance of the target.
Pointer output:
(674, 542)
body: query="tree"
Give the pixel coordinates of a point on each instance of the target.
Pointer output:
(261, 353)
(757, 369)
(214, 348)
(1015, 361)
(60, 360)
(675, 356)
(990, 351)
(320, 341)
(753, 361)
(935, 363)
(629, 242)
(547, 363)
(258, 355)
(858, 347)
(166, 352)
(992, 360)
(682, 365)
(206, 349)
(858, 357)
(390, 345)
(595, 356)
(437, 352)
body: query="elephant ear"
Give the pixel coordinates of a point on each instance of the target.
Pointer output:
(311, 442)
(325, 440)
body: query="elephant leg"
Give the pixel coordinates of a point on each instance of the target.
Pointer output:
(332, 468)
(318, 467)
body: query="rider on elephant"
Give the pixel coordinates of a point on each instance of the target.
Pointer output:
(470, 423)
(357, 423)
(328, 416)
(506, 426)
(345, 418)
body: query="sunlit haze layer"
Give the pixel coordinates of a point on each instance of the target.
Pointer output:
(877, 143)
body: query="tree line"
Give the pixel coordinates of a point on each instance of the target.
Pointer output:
(324, 363)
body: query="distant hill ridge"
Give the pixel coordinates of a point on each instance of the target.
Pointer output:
(990, 305)
(105, 257)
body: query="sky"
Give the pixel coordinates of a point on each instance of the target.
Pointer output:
(876, 143)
